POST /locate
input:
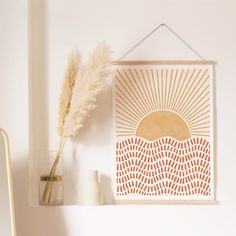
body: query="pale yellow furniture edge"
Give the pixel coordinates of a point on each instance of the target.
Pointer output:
(9, 178)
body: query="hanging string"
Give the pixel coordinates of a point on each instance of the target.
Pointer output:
(153, 31)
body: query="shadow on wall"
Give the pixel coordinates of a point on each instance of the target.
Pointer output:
(93, 138)
(71, 167)
(38, 89)
(106, 186)
(98, 126)
(35, 221)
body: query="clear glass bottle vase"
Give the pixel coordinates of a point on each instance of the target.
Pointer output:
(50, 179)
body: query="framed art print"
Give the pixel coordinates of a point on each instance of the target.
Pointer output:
(163, 119)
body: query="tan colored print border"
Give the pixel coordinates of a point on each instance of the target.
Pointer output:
(163, 202)
(199, 62)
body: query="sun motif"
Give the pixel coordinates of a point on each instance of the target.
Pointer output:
(162, 123)
(156, 102)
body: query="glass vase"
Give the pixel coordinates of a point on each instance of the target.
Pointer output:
(50, 179)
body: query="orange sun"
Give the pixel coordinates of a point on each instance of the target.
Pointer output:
(159, 124)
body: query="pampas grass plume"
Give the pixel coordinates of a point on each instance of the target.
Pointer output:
(90, 82)
(67, 88)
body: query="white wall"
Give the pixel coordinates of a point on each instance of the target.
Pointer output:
(14, 99)
(58, 26)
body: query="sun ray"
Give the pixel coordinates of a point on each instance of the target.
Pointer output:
(130, 92)
(201, 101)
(168, 95)
(179, 93)
(177, 89)
(197, 89)
(121, 100)
(196, 102)
(172, 90)
(202, 119)
(155, 90)
(138, 92)
(122, 107)
(143, 91)
(182, 96)
(194, 91)
(203, 135)
(127, 128)
(125, 119)
(198, 110)
(124, 134)
(125, 86)
(162, 89)
(198, 124)
(189, 91)
(126, 124)
(200, 133)
(200, 115)
(201, 128)
(144, 88)
(138, 100)
(166, 85)
(159, 88)
(147, 88)
(126, 116)
(151, 89)
(122, 103)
